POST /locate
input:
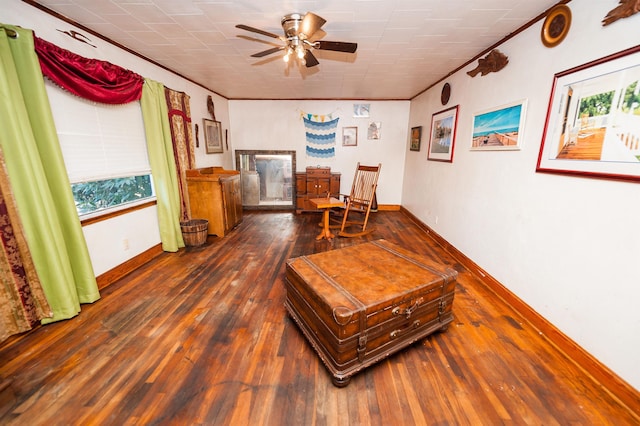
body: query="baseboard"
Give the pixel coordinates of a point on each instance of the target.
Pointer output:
(127, 267)
(626, 394)
(388, 207)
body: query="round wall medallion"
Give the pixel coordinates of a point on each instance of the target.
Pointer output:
(446, 94)
(556, 25)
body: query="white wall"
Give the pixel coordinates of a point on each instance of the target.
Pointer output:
(278, 125)
(106, 239)
(567, 246)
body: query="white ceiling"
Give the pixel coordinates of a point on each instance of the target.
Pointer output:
(404, 46)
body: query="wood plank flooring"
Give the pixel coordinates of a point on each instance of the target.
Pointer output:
(201, 337)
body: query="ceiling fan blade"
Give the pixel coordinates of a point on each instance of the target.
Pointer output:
(310, 24)
(256, 30)
(338, 46)
(309, 59)
(259, 40)
(267, 52)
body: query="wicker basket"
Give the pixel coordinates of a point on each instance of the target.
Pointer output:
(194, 232)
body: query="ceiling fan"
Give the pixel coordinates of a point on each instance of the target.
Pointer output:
(298, 39)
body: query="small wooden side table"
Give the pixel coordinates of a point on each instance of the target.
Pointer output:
(326, 204)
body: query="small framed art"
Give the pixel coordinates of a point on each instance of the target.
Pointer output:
(212, 136)
(499, 128)
(416, 136)
(349, 136)
(443, 135)
(373, 131)
(361, 110)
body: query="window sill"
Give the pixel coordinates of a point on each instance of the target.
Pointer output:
(114, 213)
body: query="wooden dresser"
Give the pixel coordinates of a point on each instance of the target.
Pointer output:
(315, 183)
(215, 194)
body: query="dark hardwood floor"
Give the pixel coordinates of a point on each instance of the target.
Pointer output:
(201, 337)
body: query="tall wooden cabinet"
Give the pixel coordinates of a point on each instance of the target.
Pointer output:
(314, 183)
(232, 200)
(215, 194)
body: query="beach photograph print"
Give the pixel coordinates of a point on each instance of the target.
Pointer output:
(499, 128)
(443, 135)
(593, 121)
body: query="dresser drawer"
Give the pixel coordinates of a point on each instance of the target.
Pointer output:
(318, 172)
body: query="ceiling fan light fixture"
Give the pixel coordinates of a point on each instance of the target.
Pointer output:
(298, 38)
(287, 55)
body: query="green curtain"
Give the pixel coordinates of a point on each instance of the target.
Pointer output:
(163, 168)
(39, 179)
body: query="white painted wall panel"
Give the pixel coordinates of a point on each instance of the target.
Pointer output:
(278, 125)
(567, 246)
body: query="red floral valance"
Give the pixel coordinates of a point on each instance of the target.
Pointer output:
(91, 79)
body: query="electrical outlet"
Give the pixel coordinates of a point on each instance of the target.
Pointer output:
(125, 244)
(437, 218)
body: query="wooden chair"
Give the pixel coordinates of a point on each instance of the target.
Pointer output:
(360, 200)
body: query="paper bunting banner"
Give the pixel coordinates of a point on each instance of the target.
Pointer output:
(319, 118)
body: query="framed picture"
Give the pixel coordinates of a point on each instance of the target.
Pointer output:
(592, 127)
(416, 136)
(499, 128)
(373, 131)
(361, 110)
(349, 136)
(212, 136)
(443, 135)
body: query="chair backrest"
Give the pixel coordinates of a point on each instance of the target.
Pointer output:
(364, 185)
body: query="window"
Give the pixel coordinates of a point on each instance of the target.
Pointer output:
(104, 194)
(104, 150)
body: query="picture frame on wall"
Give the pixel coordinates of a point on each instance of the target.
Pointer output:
(212, 136)
(499, 128)
(350, 136)
(592, 128)
(416, 136)
(373, 131)
(442, 137)
(361, 110)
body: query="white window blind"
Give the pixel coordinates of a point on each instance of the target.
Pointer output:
(98, 141)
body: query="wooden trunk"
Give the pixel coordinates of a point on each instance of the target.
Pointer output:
(360, 304)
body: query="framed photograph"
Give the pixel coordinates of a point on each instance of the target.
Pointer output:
(361, 110)
(373, 131)
(443, 135)
(212, 136)
(499, 128)
(416, 136)
(349, 136)
(593, 120)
